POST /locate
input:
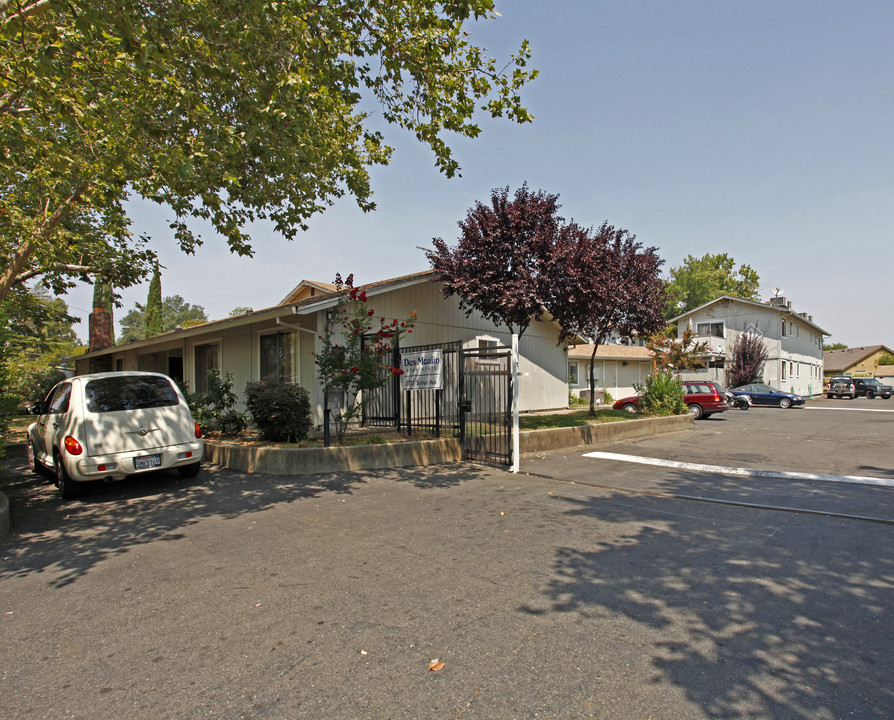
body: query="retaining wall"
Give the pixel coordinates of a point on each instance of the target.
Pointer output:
(307, 461)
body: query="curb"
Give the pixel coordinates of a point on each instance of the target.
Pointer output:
(309, 461)
(602, 433)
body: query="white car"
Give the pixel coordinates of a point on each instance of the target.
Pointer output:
(109, 426)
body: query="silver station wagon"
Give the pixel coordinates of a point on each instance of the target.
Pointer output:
(109, 426)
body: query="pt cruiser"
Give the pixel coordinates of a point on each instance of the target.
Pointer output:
(109, 426)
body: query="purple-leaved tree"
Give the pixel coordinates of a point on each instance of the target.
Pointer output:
(498, 267)
(603, 281)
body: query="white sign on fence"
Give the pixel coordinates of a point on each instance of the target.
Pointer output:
(423, 370)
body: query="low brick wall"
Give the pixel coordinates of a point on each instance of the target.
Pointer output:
(308, 461)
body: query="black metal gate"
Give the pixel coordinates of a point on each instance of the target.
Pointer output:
(474, 403)
(486, 405)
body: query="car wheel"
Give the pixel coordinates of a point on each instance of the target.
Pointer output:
(785, 403)
(68, 488)
(696, 411)
(885, 397)
(629, 407)
(189, 471)
(33, 462)
(870, 394)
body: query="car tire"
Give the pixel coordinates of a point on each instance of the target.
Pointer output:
(189, 471)
(870, 394)
(629, 407)
(696, 411)
(68, 488)
(885, 397)
(785, 403)
(33, 463)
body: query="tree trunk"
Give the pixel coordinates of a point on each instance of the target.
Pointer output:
(593, 379)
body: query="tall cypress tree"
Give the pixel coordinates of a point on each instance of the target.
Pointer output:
(154, 318)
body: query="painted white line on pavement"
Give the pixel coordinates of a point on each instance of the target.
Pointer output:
(747, 472)
(814, 407)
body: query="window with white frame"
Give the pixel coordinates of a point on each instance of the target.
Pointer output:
(710, 329)
(278, 357)
(573, 375)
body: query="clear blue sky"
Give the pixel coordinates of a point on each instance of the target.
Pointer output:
(763, 129)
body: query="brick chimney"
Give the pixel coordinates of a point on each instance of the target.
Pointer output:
(100, 330)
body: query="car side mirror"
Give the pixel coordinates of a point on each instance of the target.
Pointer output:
(37, 409)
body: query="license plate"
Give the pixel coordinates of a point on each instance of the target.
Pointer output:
(147, 461)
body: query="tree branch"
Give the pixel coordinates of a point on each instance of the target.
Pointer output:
(26, 12)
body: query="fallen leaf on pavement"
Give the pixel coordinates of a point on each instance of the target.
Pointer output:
(435, 665)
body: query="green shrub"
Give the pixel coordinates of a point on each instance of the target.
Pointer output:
(609, 400)
(662, 395)
(215, 410)
(280, 412)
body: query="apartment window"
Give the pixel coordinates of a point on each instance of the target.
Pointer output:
(277, 357)
(783, 331)
(573, 376)
(783, 369)
(207, 358)
(710, 329)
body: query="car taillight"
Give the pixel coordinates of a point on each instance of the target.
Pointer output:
(198, 431)
(72, 445)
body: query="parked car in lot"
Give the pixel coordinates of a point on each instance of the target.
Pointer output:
(841, 387)
(702, 399)
(108, 426)
(765, 395)
(863, 386)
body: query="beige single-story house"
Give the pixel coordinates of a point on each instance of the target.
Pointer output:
(617, 369)
(279, 343)
(857, 361)
(794, 342)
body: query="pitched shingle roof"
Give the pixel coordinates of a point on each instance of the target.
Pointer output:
(841, 360)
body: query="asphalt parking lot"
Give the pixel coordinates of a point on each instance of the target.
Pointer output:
(585, 587)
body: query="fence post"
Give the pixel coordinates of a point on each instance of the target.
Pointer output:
(516, 456)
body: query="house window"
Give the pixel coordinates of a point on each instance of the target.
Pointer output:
(717, 362)
(573, 376)
(207, 359)
(783, 333)
(710, 329)
(277, 357)
(783, 369)
(487, 346)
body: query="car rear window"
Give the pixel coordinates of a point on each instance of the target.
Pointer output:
(129, 393)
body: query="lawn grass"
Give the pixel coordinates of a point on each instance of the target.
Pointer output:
(583, 417)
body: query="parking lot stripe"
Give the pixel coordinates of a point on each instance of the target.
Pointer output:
(746, 472)
(813, 407)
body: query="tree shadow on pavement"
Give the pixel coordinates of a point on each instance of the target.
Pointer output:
(753, 613)
(68, 538)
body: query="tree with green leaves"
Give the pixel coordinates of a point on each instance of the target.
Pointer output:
(226, 112)
(175, 312)
(834, 346)
(36, 336)
(154, 311)
(700, 280)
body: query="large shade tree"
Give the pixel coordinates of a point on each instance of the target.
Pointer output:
(224, 111)
(499, 266)
(604, 282)
(701, 279)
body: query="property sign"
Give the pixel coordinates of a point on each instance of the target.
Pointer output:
(423, 370)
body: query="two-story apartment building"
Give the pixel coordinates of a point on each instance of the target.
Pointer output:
(794, 342)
